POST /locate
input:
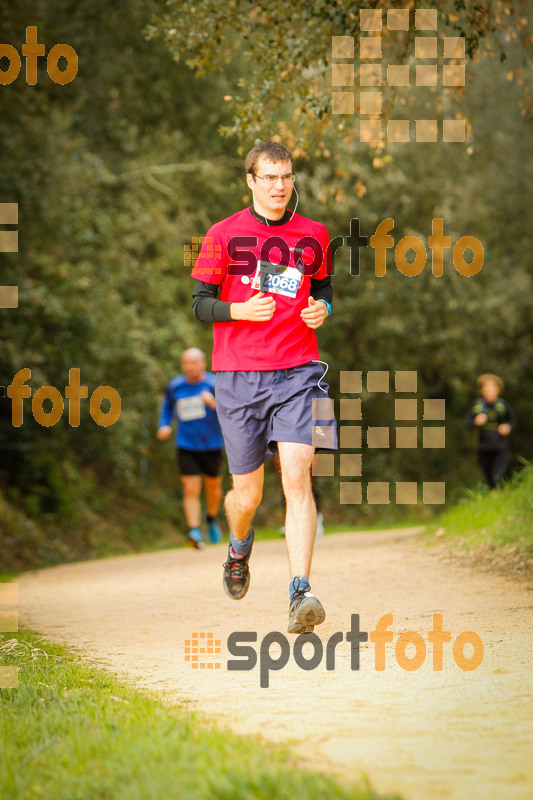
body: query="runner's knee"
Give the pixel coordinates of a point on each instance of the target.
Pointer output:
(192, 485)
(247, 497)
(296, 479)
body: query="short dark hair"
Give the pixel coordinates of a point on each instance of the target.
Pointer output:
(274, 151)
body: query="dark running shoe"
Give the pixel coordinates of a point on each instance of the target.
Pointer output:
(305, 611)
(236, 577)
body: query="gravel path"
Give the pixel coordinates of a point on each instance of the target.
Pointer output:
(427, 734)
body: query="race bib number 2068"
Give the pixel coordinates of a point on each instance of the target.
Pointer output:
(277, 279)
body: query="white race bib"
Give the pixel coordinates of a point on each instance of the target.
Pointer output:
(189, 408)
(277, 279)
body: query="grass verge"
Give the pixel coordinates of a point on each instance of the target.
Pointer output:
(497, 521)
(71, 730)
(273, 532)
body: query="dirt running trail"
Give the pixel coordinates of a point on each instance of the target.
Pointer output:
(425, 733)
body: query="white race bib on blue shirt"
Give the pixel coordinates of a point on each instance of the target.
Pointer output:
(189, 408)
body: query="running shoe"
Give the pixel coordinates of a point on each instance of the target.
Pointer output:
(236, 577)
(214, 530)
(305, 611)
(195, 538)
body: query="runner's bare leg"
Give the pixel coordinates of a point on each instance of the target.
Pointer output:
(300, 521)
(192, 486)
(241, 502)
(213, 494)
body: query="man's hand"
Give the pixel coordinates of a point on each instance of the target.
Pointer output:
(480, 419)
(164, 432)
(504, 429)
(315, 314)
(257, 309)
(209, 399)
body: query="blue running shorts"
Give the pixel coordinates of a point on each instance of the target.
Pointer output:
(257, 409)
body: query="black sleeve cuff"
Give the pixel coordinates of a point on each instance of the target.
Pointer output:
(322, 289)
(206, 305)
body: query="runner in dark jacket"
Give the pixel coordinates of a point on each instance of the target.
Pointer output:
(495, 419)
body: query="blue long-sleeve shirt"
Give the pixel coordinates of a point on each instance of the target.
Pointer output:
(198, 427)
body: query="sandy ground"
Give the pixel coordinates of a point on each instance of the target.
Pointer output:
(427, 734)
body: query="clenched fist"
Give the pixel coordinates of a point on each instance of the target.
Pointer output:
(315, 313)
(257, 309)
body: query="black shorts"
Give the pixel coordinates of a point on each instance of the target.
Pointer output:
(199, 462)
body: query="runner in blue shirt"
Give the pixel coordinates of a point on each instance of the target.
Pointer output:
(190, 400)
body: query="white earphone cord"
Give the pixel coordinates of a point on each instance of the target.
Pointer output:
(318, 361)
(293, 212)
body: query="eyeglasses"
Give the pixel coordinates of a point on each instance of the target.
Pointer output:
(272, 179)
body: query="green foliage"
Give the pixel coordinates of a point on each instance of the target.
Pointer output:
(116, 171)
(100, 520)
(501, 518)
(108, 190)
(70, 730)
(449, 329)
(285, 47)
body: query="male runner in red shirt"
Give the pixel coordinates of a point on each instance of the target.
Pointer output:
(272, 268)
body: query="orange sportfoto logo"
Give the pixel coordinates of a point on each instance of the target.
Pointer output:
(204, 652)
(31, 50)
(75, 392)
